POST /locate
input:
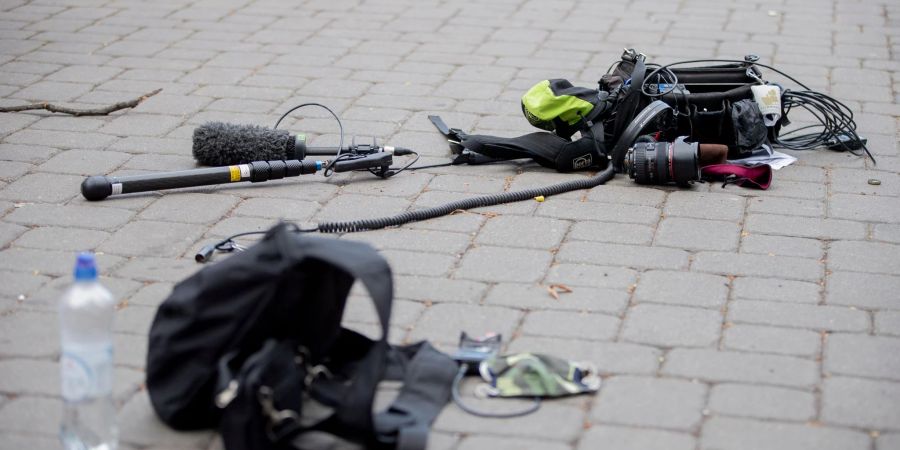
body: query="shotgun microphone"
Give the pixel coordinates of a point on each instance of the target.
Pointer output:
(222, 144)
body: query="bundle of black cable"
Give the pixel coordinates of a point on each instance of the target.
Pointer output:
(222, 144)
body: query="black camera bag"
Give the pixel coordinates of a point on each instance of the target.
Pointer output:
(254, 345)
(713, 110)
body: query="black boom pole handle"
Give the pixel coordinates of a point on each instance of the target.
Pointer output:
(99, 187)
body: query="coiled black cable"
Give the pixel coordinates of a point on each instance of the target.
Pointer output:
(353, 226)
(835, 128)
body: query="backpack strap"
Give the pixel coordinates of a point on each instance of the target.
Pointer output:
(631, 104)
(427, 380)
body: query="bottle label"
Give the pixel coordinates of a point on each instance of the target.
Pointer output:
(86, 372)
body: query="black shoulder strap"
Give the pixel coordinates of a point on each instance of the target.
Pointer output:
(632, 102)
(427, 380)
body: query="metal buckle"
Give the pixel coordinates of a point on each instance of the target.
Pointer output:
(277, 417)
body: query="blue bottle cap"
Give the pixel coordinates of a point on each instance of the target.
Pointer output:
(85, 267)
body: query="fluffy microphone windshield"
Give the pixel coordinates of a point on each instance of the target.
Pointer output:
(222, 144)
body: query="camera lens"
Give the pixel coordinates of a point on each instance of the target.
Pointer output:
(663, 162)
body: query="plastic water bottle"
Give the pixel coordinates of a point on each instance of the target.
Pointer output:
(86, 318)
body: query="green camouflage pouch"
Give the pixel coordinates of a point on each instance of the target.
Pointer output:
(536, 375)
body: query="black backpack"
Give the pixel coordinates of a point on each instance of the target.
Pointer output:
(253, 345)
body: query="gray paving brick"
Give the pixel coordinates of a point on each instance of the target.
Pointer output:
(56, 238)
(704, 206)
(66, 216)
(16, 122)
(140, 426)
(679, 288)
(861, 256)
(31, 441)
(712, 365)
(805, 227)
(762, 402)
(672, 326)
(10, 171)
(795, 315)
(53, 91)
(886, 232)
(43, 187)
(134, 319)
(608, 357)
(46, 262)
(861, 403)
(579, 325)
(765, 339)
(444, 322)
(653, 402)
(142, 125)
(626, 438)
(9, 232)
(863, 290)
(429, 289)
(38, 415)
(467, 183)
(745, 434)
(622, 255)
(696, 234)
(530, 232)
(415, 240)
(410, 184)
(744, 264)
(862, 355)
(352, 207)
(190, 208)
(26, 153)
(889, 441)
(59, 139)
(608, 212)
(532, 297)
(294, 210)
(773, 289)
(151, 294)
(29, 377)
(84, 74)
(47, 297)
(158, 269)
(782, 245)
(504, 264)
(419, 263)
(868, 208)
(14, 284)
(30, 335)
(553, 421)
(506, 443)
(887, 323)
(620, 233)
(162, 239)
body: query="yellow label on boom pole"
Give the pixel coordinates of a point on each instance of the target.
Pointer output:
(235, 173)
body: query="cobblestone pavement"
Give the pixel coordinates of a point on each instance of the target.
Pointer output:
(721, 318)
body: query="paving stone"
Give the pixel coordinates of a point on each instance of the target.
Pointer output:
(623, 255)
(695, 234)
(47, 298)
(190, 208)
(55, 238)
(653, 402)
(817, 317)
(30, 335)
(70, 216)
(762, 402)
(134, 319)
(886, 232)
(680, 288)
(47, 262)
(704, 206)
(609, 212)
(84, 74)
(862, 355)
(624, 438)
(745, 264)
(415, 240)
(712, 365)
(578, 325)
(10, 171)
(26, 153)
(864, 290)
(9, 232)
(15, 122)
(607, 357)
(55, 91)
(890, 441)
(530, 232)
(151, 294)
(887, 323)
(745, 434)
(419, 263)
(552, 421)
(427, 289)
(504, 264)
(868, 208)
(538, 298)
(410, 184)
(505, 443)
(782, 245)
(38, 415)
(139, 425)
(352, 207)
(295, 210)
(861, 403)
(671, 326)
(764, 339)
(444, 322)
(617, 233)
(43, 187)
(861, 256)
(142, 125)
(29, 377)
(159, 239)
(591, 275)
(31, 442)
(804, 227)
(14, 284)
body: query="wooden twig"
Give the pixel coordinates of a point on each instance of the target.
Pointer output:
(81, 112)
